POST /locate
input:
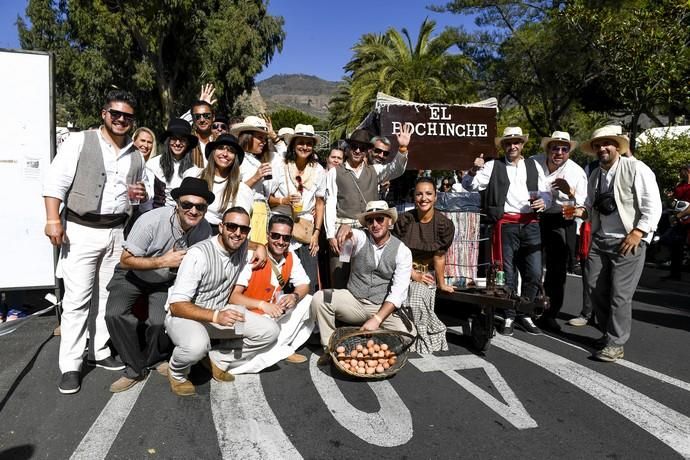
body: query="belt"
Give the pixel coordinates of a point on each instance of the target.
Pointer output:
(96, 220)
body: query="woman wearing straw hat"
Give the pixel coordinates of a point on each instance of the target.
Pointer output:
(169, 167)
(222, 175)
(300, 184)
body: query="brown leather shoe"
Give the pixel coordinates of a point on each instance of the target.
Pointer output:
(218, 374)
(324, 359)
(296, 358)
(181, 388)
(124, 383)
(162, 368)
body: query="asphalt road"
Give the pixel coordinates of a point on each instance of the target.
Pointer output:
(527, 397)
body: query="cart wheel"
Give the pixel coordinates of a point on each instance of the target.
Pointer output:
(481, 332)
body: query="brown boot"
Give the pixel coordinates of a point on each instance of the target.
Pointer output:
(218, 374)
(181, 387)
(162, 368)
(124, 383)
(296, 358)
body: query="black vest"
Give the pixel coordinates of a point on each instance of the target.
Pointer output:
(494, 197)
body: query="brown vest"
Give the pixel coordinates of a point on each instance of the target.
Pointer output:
(354, 193)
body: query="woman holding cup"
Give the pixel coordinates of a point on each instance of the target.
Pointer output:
(299, 188)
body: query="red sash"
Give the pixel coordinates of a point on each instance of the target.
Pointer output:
(585, 240)
(260, 287)
(497, 240)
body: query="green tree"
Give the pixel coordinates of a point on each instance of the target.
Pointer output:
(160, 50)
(289, 118)
(423, 71)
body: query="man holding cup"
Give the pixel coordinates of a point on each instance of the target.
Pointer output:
(90, 177)
(152, 253)
(558, 227)
(199, 309)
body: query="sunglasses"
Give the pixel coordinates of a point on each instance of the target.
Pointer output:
(186, 205)
(232, 228)
(219, 126)
(379, 151)
(206, 115)
(558, 148)
(354, 146)
(378, 219)
(300, 186)
(116, 115)
(445, 184)
(278, 236)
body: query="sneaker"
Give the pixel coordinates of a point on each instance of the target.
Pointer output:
(324, 359)
(609, 354)
(296, 358)
(218, 374)
(124, 383)
(70, 383)
(507, 328)
(550, 324)
(528, 325)
(109, 363)
(579, 321)
(181, 387)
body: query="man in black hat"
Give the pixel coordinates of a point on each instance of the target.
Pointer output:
(220, 125)
(350, 186)
(148, 266)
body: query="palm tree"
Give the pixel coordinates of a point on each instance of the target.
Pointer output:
(424, 71)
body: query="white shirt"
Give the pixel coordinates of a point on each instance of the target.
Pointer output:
(646, 192)
(248, 168)
(572, 173)
(298, 277)
(214, 214)
(517, 199)
(155, 170)
(60, 175)
(403, 265)
(384, 172)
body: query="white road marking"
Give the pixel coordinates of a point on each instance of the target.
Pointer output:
(101, 436)
(512, 410)
(662, 422)
(246, 426)
(389, 427)
(657, 375)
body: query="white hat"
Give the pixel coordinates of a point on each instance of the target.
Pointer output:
(283, 131)
(512, 132)
(613, 132)
(301, 130)
(250, 123)
(377, 208)
(557, 136)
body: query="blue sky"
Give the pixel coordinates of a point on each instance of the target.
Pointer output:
(319, 33)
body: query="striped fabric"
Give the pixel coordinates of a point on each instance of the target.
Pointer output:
(214, 287)
(462, 256)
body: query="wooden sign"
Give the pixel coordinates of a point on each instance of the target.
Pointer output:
(443, 136)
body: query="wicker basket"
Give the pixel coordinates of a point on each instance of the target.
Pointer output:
(349, 337)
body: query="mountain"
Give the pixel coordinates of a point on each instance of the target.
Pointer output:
(307, 93)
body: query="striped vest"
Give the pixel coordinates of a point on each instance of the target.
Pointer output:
(221, 273)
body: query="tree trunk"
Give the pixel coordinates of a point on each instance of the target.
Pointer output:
(633, 129)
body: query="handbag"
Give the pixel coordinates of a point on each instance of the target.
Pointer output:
(303, 230)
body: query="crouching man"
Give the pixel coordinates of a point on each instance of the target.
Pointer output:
(199, 310)
(378, 282)
(278, 290)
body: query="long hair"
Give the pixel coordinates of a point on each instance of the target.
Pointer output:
(245, 141)
(231, 186)
(291, 155)
(168, 161)
(154, 147)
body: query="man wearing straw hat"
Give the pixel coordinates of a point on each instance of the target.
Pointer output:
(516, 191)
(558, 228)
(379, 278)
(624, 206)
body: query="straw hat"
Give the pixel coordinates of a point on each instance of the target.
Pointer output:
(377, 208)
(511, 132)
(250, 123)
(305, 131)
(557, 136)
(612, 132)
(283, 131)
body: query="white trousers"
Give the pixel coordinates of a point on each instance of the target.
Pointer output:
(87, 262)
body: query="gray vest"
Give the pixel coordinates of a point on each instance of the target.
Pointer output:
(353, 193)
(623, 192)
(214, 287)
(84, 196)
(368, 280)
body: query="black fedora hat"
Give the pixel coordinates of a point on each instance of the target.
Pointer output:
(226, 139)
(180, 127)
(193, 186)
(361, 136)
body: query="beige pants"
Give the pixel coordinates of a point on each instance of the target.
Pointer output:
(331, 304)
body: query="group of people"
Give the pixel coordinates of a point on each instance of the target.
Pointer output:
(234, 232)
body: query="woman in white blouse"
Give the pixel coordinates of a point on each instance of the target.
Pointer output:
(222, 174)
(299, 182)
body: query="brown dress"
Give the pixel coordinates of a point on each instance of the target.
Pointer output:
(425, 240)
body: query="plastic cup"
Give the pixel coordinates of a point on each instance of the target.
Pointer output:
(297, 208)
(346, 251)
(568, 209)
(433, 275)
(133, 194)
(239, 325)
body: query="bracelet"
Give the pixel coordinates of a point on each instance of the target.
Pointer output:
(402, 149)
(378, 318)
(53, 221)
(215, 316)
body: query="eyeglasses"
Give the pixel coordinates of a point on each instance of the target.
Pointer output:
(379, 151)
(219, 126)
(232, 228)
(206, 115)
(186, 205)
(116, 115)
(300, 185)
(560, 148)
(278, 236)
(378, 219)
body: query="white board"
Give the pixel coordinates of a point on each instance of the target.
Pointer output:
(27, 145)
